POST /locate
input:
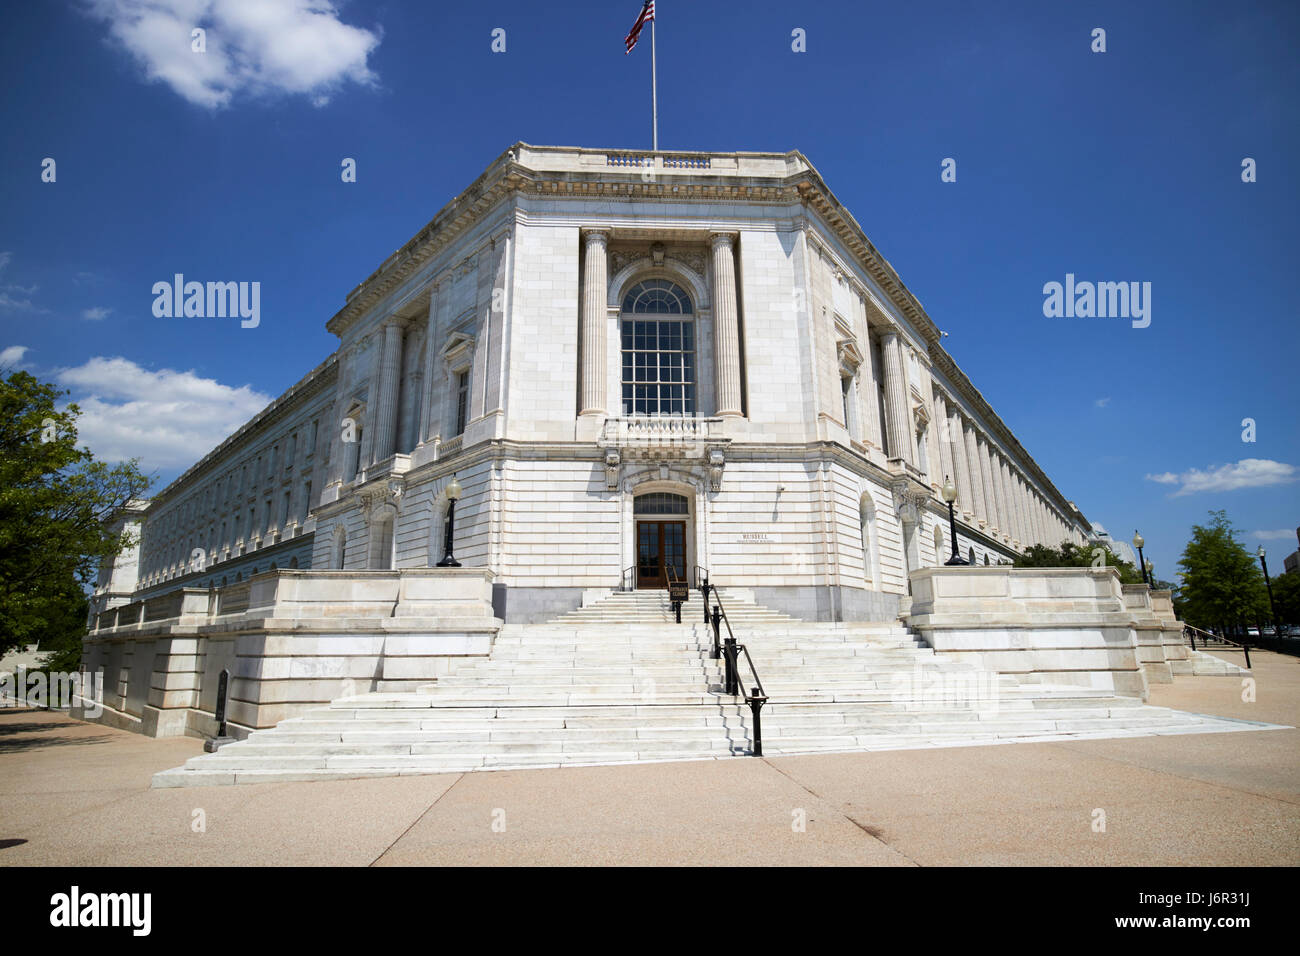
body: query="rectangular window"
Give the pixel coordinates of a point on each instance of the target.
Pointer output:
(306, 500)
(462, 401)
(658, 367)
(284, 510)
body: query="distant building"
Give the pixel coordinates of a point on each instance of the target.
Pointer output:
(1121, 549)
(1291, 562)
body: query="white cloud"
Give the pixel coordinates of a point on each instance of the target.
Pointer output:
(1102, 402)
(168, 419)
(1247, 473)
(256, 47)
(97, 313)
(12, 355)
(1286, 533)
(4, 259)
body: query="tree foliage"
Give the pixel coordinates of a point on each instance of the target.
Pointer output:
(1286, 597)
(56, 502)
(1222, 581)
(1071, 555)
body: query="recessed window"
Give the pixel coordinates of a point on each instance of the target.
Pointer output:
(659, 375)
(462, 401)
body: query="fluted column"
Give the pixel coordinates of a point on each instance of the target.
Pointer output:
(1009, 479)
(1009, 492)
(595, 292)
(979, 497)
(902, 436)
(940, 430)
(1001, 482)
(726, 324)
(1022, 518)
(390, 370)
(431, 340)
(965, 492)
(990, 489)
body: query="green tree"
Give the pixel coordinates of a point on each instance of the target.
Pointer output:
(1071, 555)
(1286, 597)
(56, 502)
(1222, 582)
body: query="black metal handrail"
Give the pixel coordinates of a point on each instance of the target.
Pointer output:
(627, 572)
(730, 650)
(1209, 639)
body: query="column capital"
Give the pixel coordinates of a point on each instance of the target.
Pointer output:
(595, 235)
(717, 239)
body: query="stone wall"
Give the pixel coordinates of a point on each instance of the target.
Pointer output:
(292, 640)
(1064, 625)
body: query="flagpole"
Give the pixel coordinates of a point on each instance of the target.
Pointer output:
(654, 86)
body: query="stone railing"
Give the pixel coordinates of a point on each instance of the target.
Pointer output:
(449, 447)
(647, 161)
(667, 430)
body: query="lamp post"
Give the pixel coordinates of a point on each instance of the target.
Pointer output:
(1151, 572)
(1138, 541)
(950, 495)
(1272, 611)
(453, 492)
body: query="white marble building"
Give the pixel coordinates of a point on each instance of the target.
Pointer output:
(629, 361)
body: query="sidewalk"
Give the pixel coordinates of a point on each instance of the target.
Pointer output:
(78, 794)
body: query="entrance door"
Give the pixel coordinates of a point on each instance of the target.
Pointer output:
(660, 545)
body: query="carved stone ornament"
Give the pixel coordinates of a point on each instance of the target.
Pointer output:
(612, 462)
(717, 462)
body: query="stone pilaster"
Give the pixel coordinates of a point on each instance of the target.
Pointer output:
(902, 434)
(390, 371)
(726, 324)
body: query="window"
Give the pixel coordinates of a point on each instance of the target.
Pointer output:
(660, 503)
(658, 353)
(306, 500)
(462, 401)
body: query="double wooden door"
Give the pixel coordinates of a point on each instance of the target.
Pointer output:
(660, 545)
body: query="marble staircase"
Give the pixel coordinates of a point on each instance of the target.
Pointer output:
(618, 681)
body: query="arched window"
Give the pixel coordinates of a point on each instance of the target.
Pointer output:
(970, 557)
(870, 552)
(658, 350)
(986, 560)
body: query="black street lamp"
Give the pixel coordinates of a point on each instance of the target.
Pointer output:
(453, 492)
(1151, 572)
(1269, 585)
(950, 495)
(1138, 541)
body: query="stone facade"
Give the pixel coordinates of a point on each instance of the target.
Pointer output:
(804, 440)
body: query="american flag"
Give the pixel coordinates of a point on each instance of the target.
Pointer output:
(647, 14)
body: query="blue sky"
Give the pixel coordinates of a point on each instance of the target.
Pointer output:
(1115, 166)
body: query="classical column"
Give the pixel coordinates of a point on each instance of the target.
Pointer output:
(595, 292)
(868, 396)
(1002, 479)
(726, 324)
(965, 492)
(978, 494)
(390, 370)
(940, 429)
(1022, 516)
(1009, 499)
(426, 428)
(990, 489)
(902, 436)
